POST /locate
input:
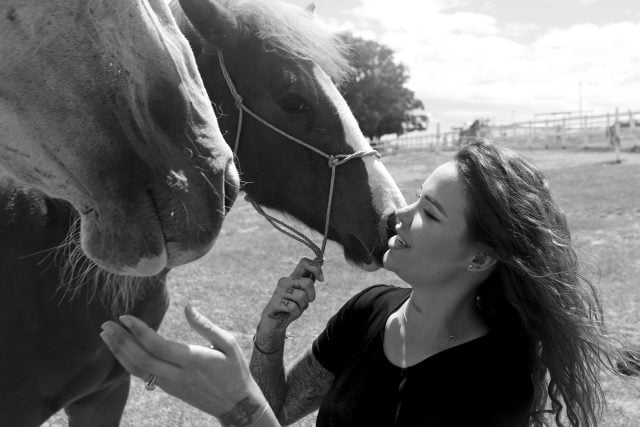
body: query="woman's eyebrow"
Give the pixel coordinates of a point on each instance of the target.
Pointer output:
(435, 203)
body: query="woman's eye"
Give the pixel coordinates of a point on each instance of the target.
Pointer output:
(294, 104)
(427, 213)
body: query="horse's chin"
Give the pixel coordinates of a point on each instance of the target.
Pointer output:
(370, 267)
(142, 255)
(357, 254)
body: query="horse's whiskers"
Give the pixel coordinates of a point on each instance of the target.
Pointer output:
(186, 212)
(79, 273)
(210, 184)
(195, 147)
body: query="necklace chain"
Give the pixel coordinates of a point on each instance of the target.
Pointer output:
(450, 337)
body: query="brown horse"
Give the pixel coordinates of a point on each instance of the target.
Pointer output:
(282, 65)
(101, 104)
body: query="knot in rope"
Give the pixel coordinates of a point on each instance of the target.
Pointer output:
(333, 161)
(238, 101)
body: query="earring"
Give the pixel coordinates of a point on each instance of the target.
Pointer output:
(470, 267)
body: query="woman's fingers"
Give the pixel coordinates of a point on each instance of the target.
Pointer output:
(297, 296)
(306, 265)
(288, 285)
(294, 305)
(221, 339)
(153, 343)
(132, 356)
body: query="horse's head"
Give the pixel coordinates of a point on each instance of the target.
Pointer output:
(101, 104)
(283, 65)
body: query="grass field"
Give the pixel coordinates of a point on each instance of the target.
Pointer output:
(233, 282)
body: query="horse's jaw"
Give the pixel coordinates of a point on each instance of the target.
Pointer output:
(357, 254)
(369, 268)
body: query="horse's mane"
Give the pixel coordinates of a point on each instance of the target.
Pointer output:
(286, 29)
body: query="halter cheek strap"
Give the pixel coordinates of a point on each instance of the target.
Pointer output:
(333, 161)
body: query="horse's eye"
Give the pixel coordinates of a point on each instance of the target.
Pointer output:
(294, 104)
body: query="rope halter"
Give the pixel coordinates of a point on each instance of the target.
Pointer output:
(333, 161)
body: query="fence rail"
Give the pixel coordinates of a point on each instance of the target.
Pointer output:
(569, 131)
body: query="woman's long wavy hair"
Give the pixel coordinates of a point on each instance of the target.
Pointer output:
(537, 295)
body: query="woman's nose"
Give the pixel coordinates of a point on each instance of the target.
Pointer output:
(403, 216)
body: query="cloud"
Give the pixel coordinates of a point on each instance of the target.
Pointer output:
(471, 59)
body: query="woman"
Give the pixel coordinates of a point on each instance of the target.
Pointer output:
(497, 327)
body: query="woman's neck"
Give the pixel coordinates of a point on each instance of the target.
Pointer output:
(442, 316)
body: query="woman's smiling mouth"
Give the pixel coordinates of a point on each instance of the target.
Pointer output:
(396, 242)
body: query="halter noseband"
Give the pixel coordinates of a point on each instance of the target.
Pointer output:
(333, 161)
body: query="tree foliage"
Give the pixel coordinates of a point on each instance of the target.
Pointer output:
(375, 92)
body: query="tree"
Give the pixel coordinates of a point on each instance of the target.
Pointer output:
(376, 93)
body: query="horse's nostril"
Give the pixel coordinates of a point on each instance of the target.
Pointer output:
(231, 186)
(392, 220)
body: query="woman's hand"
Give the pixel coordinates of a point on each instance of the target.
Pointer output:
(216, 380)
(291, 297)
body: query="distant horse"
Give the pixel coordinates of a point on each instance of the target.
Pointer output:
(473, 132)
(282, 64)
(101, 105)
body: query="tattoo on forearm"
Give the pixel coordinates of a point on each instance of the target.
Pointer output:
(241, 415)
(307, 384)
(281, 316)
(269, 342)
(268, 371)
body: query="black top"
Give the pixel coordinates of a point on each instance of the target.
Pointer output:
(483, 382)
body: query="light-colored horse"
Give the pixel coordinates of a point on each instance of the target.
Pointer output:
(101, 104)
(283, 67)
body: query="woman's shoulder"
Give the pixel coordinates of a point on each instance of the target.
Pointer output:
(373, 302)
(378, 296)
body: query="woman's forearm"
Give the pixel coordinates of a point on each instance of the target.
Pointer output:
(290, 299)
(267, 366)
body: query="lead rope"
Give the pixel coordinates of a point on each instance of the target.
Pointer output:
(332, 160)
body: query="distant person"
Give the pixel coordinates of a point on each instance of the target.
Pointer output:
(612, 133)
(496, 327)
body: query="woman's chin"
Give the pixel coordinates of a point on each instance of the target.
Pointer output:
(387, 261)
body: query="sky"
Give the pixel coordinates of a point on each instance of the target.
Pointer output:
(505, 60)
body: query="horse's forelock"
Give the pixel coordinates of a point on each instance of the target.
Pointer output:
(290, 30)
(286, 29)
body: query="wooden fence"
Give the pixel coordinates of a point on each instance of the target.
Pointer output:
(567, 132)
(571, 131)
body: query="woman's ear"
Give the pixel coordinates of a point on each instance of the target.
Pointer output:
(482, 261)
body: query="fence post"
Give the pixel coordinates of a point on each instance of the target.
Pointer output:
(586, 130)
(631, 122)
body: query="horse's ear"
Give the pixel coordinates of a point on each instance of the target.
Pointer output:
(310, 9)
(211, 19)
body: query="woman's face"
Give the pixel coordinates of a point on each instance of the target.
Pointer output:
(431, 245)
